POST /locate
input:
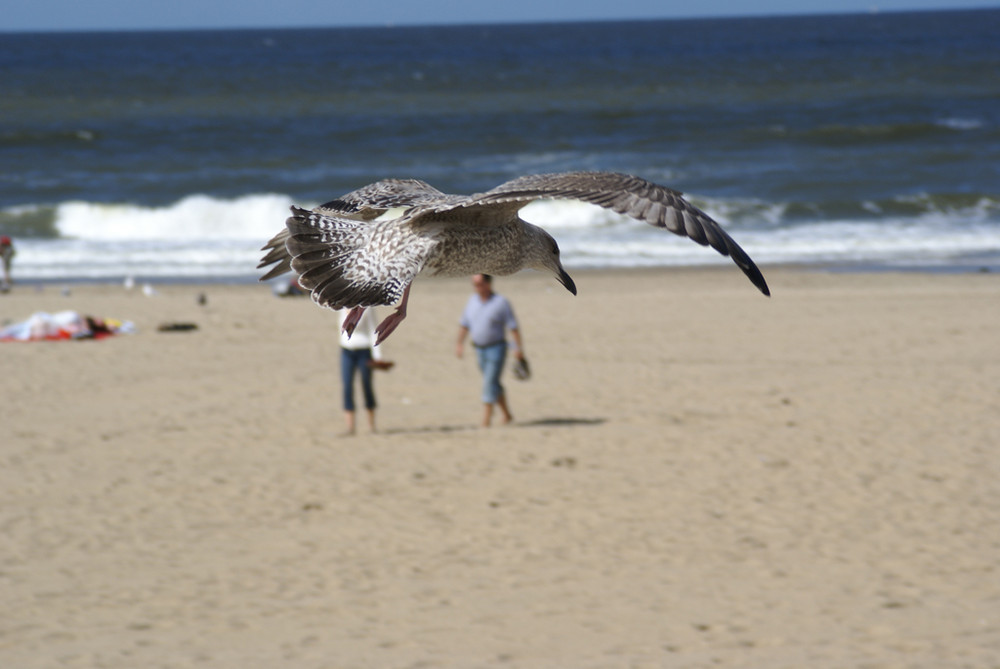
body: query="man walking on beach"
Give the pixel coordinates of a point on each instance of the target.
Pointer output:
(486, 317)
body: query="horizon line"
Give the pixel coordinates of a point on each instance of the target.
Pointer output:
(873, 11)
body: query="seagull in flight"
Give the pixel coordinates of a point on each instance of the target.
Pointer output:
(365, 248)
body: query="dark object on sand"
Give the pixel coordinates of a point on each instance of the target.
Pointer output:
(177, 327)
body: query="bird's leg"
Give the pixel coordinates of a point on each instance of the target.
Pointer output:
(393, 320)
(352, 319)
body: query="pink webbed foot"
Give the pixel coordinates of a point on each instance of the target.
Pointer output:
(352, 320)
(392, 321)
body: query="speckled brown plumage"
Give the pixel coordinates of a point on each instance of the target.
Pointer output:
(359, 251)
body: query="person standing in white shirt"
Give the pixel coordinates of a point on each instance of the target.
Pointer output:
(358, 354)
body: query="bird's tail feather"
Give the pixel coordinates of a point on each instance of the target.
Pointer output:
(307, 233)
(276, 253)
(322, 249)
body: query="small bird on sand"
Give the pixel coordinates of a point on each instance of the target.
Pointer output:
(366, 247)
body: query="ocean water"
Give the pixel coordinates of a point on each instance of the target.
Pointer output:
(867, 140)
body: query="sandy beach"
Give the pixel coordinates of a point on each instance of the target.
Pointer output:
(697, 476)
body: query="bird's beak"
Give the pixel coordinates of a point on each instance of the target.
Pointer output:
(566, 280)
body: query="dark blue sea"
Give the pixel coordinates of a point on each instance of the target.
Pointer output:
(869, 140)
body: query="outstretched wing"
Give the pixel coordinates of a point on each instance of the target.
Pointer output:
(375, 199)
(345, 262)
(630, 195)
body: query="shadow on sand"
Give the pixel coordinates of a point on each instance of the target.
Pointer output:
(538, 422)
(560, 422)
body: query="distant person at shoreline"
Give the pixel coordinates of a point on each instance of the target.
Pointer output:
(486, 316)
(358, 354)
(7, 253)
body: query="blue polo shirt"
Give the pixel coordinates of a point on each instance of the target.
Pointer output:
(486, 320)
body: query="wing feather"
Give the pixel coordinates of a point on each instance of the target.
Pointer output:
(375, 199)
(632, 196)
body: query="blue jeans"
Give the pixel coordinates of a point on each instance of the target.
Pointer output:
(351, 361)
(491, 359)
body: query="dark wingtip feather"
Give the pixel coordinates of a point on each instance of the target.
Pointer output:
(757, 278)
(749, 268)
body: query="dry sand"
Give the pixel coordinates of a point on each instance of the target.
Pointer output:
(698, 477)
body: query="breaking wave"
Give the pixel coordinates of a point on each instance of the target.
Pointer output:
(202, 236)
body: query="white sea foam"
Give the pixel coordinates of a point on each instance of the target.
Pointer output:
(204, 237)
(196, 217)
(570, 215)
(924, 241)
(958, 123)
